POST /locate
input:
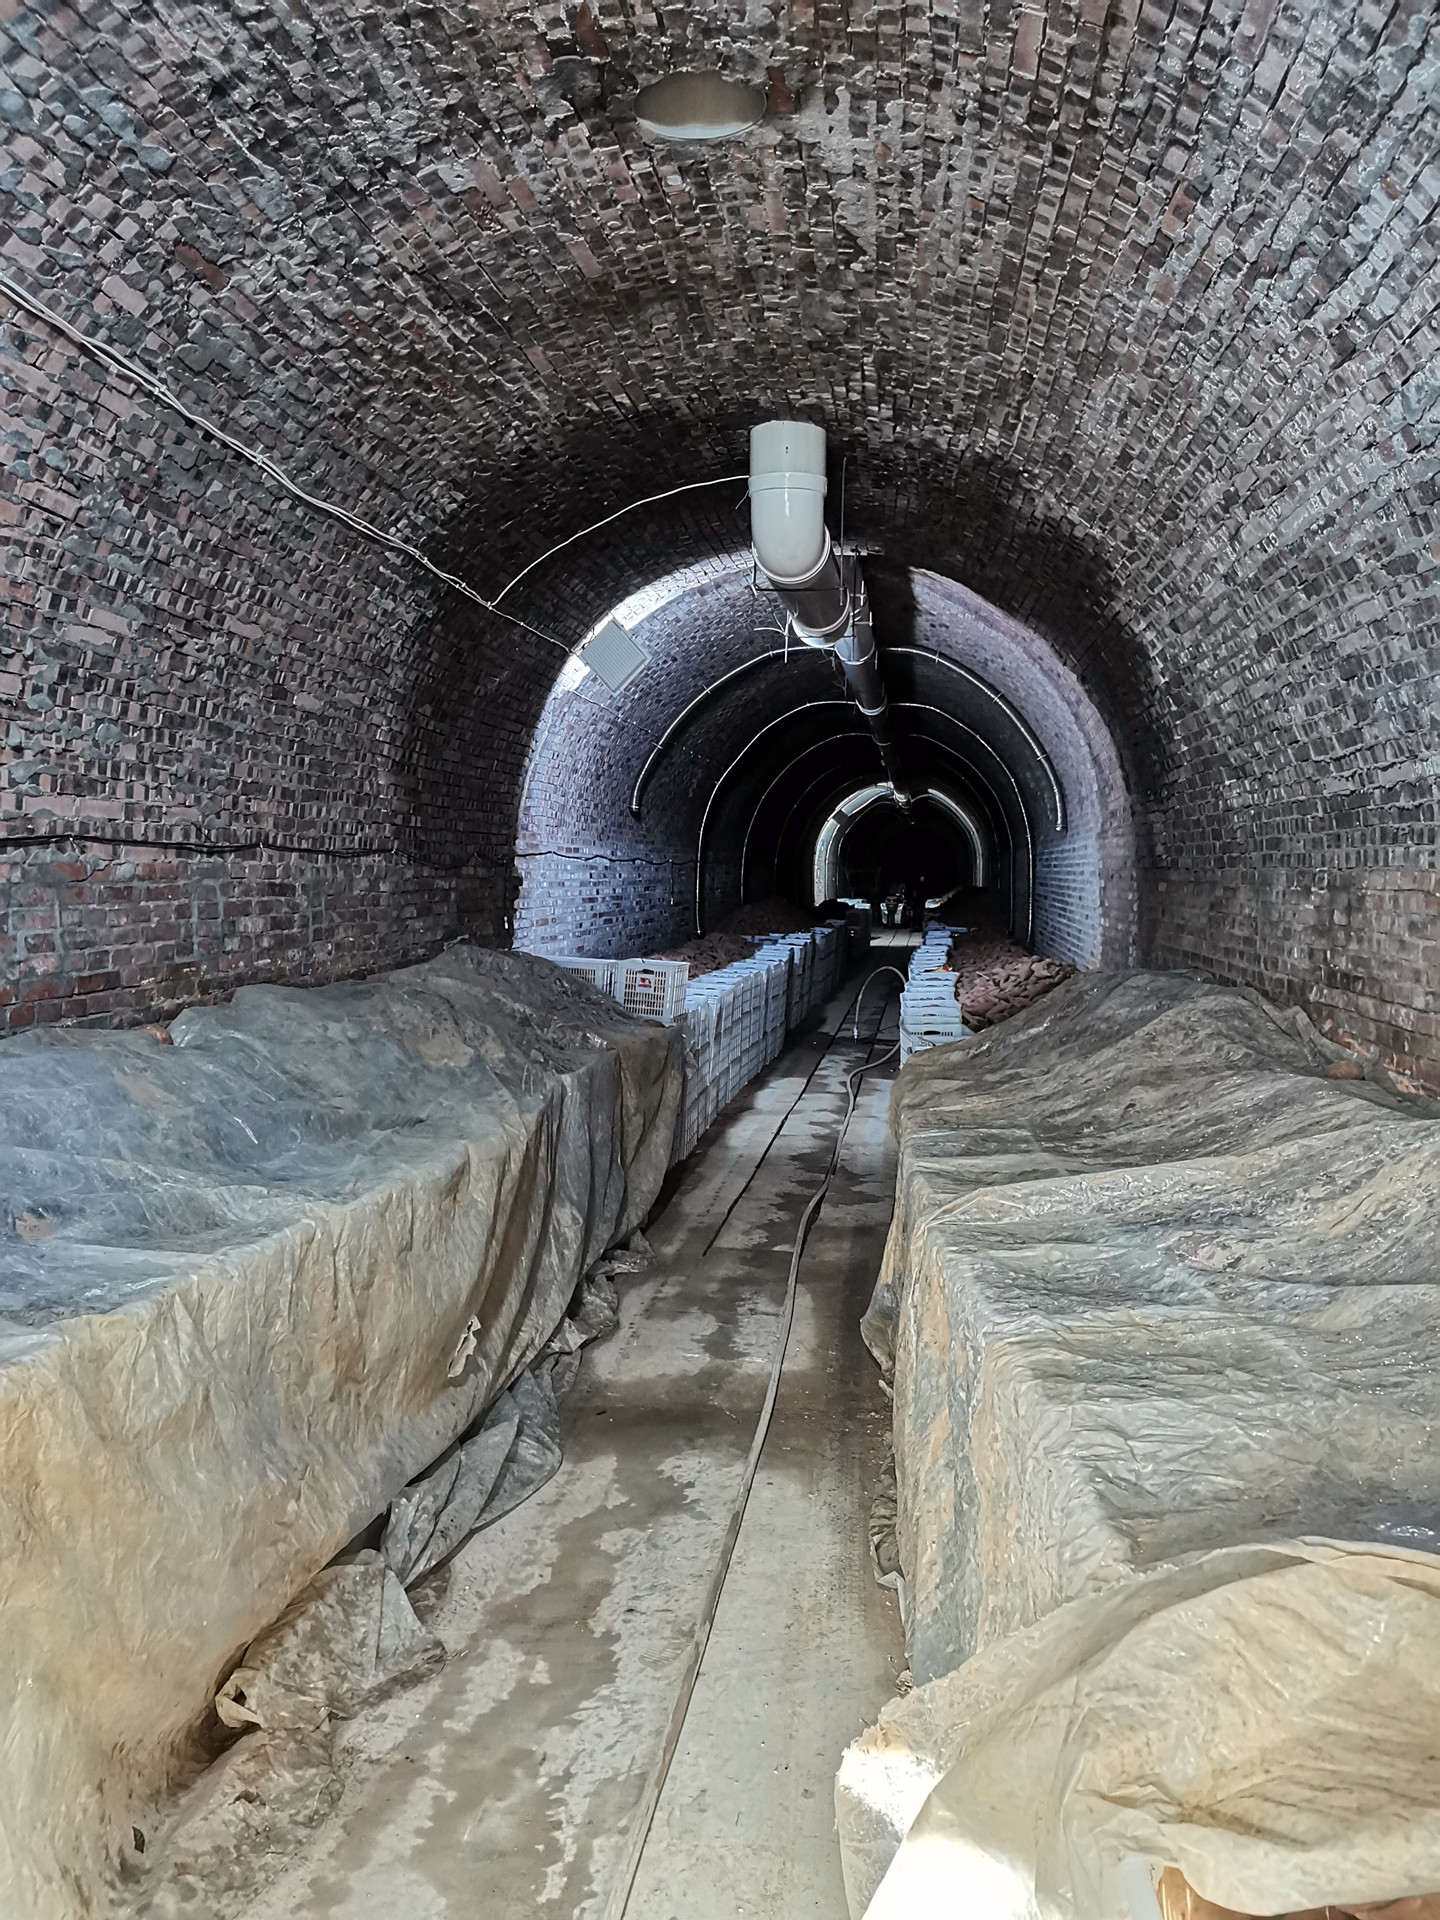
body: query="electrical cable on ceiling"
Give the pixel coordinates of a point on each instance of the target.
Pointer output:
(616, 1905)
(690, 486)
(130, 370)
(610, 859)
(162, 844)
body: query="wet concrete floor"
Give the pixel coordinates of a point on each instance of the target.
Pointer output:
(509, 1785)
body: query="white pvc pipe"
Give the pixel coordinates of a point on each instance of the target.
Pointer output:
(823, 592)
(787, 500)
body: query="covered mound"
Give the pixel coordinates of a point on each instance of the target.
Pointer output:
(254, 1282)
(1162, 1303)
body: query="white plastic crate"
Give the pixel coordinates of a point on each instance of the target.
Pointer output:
(802, 948)
(655, 988)
(929, 1011)
(830, 954)
(599, 973)
(912, 1042)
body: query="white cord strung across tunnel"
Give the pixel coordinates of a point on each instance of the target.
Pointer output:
(624, 1886)
(139, 376)
(690, 486)
(148, 382)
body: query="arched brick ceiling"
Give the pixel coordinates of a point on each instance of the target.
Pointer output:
(1123, 315)
(730, 749)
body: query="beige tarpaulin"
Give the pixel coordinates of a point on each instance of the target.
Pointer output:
(255, 1282)
(1161, 1298)
(1267, 1721)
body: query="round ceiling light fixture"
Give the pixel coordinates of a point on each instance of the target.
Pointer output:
(698, 106)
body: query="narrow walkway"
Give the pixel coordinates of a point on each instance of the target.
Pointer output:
(508, 1786)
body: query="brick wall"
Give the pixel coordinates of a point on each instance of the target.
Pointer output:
(1358, 948)
(1067, 886)
(592, 902)
(1016, 725)
(1126, 320)
(598, 881)
(104, 935)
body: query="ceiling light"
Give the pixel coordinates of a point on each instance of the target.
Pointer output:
(698, 106)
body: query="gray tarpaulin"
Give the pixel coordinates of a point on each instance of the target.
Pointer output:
(1162, 1304)
(253, 1284)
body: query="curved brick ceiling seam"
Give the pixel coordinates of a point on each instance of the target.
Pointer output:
(581, 782)
(743, 782)
(793, 820)
(737, 796)
(938, 766)
(792, 855)
(1005, 711)
(722, 786)
(802, 822)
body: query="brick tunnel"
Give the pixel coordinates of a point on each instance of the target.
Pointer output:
(1120, 320)
(359, 366)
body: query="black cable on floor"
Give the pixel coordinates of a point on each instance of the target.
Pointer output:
(821, 1058)
(623, 1888)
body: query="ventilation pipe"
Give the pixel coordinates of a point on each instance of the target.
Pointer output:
(824, 592)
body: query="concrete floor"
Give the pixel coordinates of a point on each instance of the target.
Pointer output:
(509, 1785)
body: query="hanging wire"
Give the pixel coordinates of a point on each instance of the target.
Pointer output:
(690, 486)
(149, 383)
(130, 370)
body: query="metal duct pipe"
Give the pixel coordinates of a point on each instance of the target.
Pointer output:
(824, 593)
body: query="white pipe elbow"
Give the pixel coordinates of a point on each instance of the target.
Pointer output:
(787, 501)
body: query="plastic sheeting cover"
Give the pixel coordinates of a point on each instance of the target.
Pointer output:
(1262, 1719)
(1156, 1288)
(239, 1275)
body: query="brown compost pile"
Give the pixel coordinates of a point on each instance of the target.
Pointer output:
(734, 939)
(710, 953)
(995, 977)
(775, 915)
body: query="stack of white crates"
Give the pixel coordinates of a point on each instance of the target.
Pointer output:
(773, 962)
(829, 960)
(857, 931)
(802, 967)
(599, 974)
(706, 1020)
(735, 1020)
(929, 1011)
